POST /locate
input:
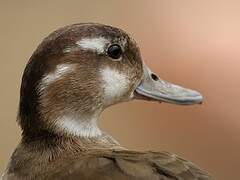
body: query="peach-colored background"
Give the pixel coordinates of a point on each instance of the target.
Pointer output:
(192, 43)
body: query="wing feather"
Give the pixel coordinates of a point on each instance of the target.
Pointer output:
(129, 165)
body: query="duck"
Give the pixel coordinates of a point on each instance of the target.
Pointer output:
(75, 74)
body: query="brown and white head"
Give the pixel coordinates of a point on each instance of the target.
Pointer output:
(81, 69)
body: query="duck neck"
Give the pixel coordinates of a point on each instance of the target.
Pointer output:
(77, 132)
(56, 143)
(78, 125)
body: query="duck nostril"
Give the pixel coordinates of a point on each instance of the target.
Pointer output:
(154, 77)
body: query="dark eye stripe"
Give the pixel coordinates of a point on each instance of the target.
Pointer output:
(114, 51)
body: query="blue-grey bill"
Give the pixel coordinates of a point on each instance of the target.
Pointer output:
(159, 90)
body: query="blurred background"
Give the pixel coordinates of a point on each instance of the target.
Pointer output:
(192, 43)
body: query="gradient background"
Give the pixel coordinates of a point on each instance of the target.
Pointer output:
(192, 43)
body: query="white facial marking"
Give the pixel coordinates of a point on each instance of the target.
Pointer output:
(77, 127)
(115, 84)
(96, 44)
(60, 70)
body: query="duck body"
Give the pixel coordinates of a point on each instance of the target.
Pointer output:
(76, 73)
(103, 164)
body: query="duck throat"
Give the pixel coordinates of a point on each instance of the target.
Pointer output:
(85, 132)
(85, 127)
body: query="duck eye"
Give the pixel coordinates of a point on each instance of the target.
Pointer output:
(114, 51)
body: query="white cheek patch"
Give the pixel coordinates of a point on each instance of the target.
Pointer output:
(115, 84)
(95, 44)
(82, 128)
(60, 70)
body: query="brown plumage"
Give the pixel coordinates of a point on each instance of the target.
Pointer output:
(75, 73)
(88, 160)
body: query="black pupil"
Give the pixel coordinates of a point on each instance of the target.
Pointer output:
(115, 51)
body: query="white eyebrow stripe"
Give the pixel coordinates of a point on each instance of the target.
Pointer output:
(96, 44)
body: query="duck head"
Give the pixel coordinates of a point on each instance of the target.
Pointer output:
(78, 71)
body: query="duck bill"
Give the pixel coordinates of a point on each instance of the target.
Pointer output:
(155, 89)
